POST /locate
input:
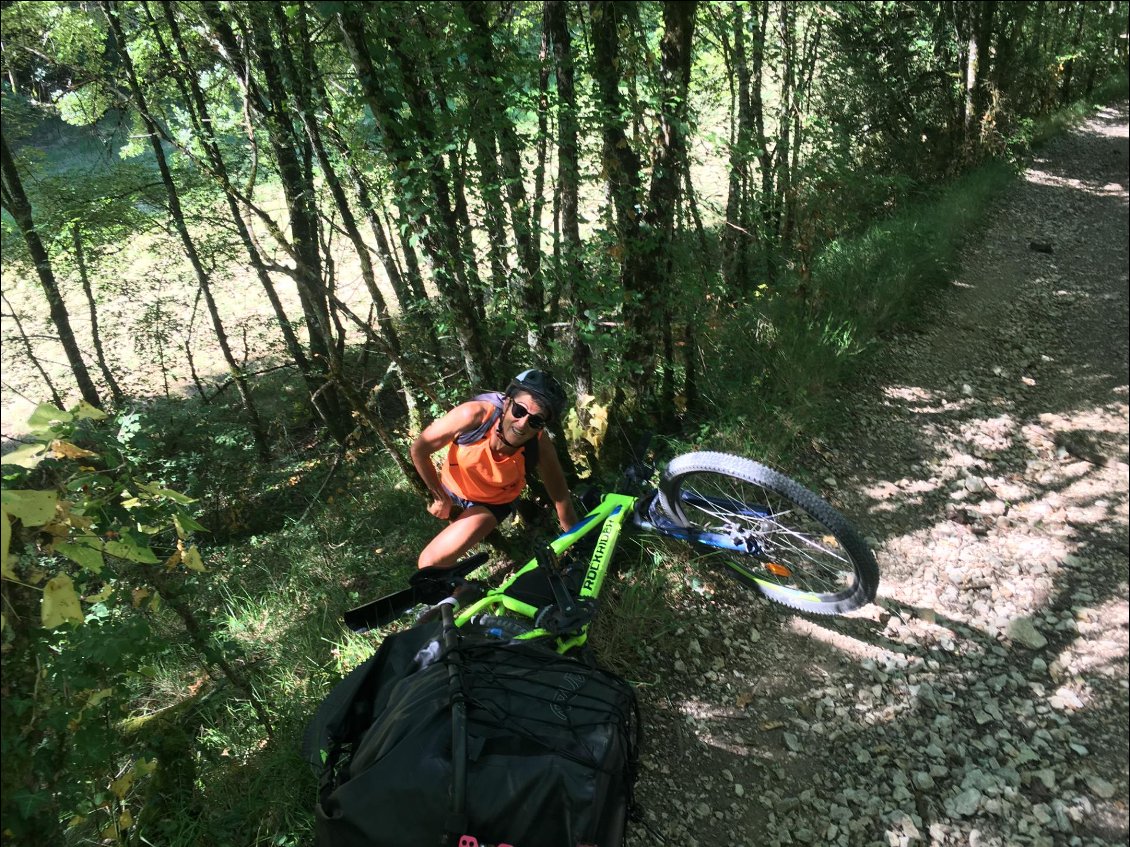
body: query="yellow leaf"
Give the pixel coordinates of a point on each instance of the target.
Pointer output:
(139, 595)
(144, 767)
(122, 785)
(192, 560)
(85, 411)
(77, 820)
(60, 602)
(81, 554)
(173, 560)
(125, 819)
(98, 696)
(27, 456)
(31, 507)
(66, 450)
(131, 552)
(104, 594)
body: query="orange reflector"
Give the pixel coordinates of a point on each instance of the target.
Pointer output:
(778, 570)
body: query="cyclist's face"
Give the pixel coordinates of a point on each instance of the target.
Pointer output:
(518, 423)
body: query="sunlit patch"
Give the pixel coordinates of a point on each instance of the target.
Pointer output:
(910, 393)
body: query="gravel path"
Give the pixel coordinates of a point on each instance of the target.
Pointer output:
(983, 700)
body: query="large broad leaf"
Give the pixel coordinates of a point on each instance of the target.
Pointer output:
(186, 524)
(132, 552)
(192, 560)
(27, 456)
(34, 508)
(84, 411)
(82, 554)
(46, 416)
(66, 450)
(157, 491)
(60, 602)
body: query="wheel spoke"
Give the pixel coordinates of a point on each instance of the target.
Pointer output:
(790, 538)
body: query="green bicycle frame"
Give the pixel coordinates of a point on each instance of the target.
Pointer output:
(610, 515)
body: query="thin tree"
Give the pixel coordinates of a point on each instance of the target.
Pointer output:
(95, 333)
(441, 237)
(176, 212)
(16, 203)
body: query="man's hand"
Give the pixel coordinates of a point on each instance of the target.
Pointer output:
(441, 507)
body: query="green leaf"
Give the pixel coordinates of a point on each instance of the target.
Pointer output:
(46, 417)
(186, 524)
(131, 552)
(27, 456)
(34, 508)
(82, 555)
(156, 491)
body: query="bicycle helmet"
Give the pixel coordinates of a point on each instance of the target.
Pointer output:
(542, 387)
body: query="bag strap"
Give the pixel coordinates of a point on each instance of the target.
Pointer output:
(457, 819)
(474, 436)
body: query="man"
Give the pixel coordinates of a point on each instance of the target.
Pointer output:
(492, 440)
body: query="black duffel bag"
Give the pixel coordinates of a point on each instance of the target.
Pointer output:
(473, 741)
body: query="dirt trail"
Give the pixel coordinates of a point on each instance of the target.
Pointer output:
(983, 700)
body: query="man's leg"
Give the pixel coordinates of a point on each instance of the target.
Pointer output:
(457, 538)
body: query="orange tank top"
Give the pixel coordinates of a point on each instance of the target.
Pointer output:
(474, 473)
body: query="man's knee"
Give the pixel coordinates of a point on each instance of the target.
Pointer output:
(429, 560)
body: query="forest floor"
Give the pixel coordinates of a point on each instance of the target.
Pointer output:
(983, 700)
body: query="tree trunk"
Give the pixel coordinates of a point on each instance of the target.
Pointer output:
(19, 207)
(530, 288)
(783, 152)
(293, 159)
(983, 71)
(740, 234)
(306, 72)
(767, 240)
(1074, 47)
(645, 257)
(181, 226)
(58, 400)
(95, 335)
(202, 121)
(570, 267)
(440, 239)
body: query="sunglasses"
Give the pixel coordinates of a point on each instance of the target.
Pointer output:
(519, 411)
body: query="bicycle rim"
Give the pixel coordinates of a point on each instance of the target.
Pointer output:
(770, 532)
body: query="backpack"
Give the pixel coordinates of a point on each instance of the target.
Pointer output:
(477, 742)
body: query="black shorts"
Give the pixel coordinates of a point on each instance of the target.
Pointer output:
(501, 511)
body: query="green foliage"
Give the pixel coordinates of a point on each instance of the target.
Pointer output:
(90, 545)
(788, 352)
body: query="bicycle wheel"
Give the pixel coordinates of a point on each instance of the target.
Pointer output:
(770, 532)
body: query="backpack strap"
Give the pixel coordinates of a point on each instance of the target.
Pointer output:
(474, 436)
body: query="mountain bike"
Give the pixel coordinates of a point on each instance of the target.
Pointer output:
(756, 524)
